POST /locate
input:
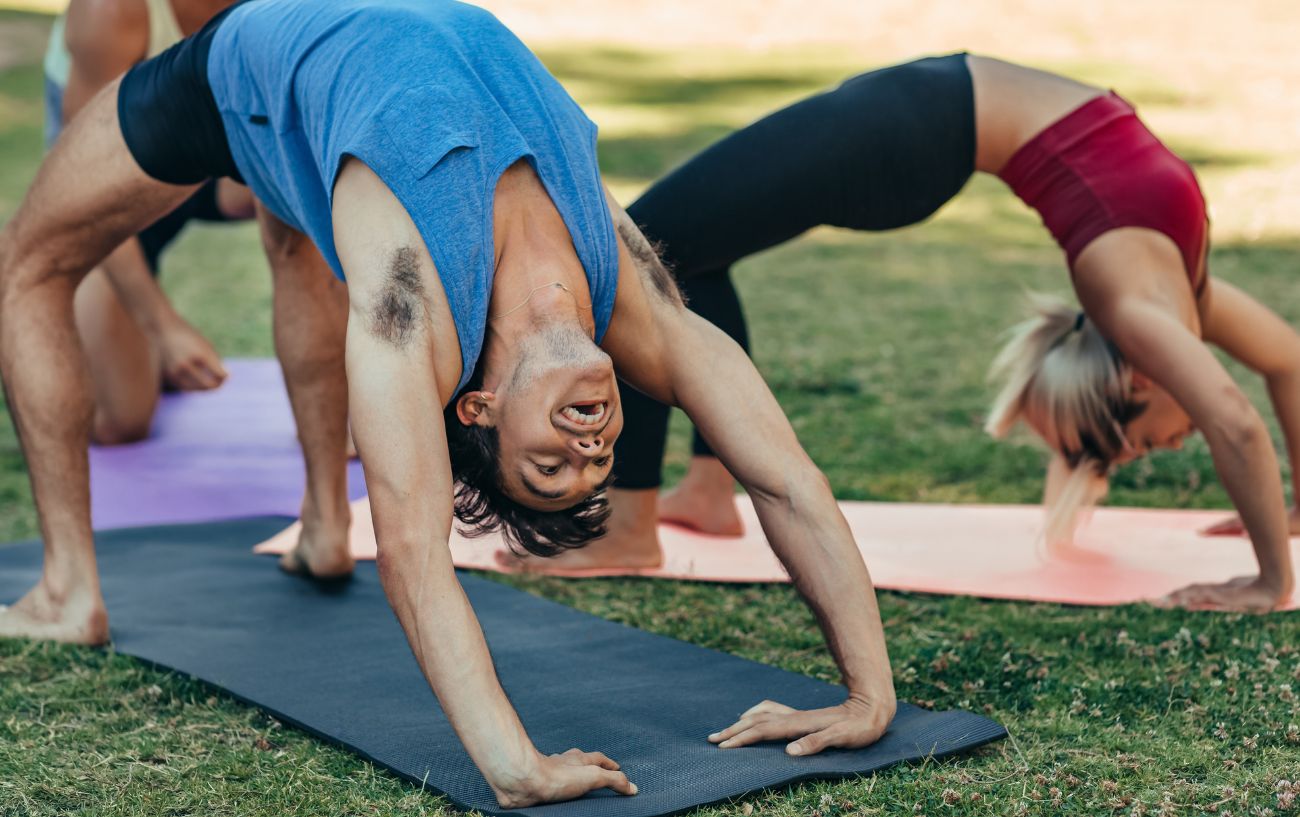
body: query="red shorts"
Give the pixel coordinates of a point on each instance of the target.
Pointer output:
(1097, 169)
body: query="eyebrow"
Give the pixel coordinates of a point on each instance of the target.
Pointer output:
(543, 494)
(538, 492)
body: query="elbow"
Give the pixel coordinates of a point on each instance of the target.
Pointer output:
(1238, 427)
(799, 486)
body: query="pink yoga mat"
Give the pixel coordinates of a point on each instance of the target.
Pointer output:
(224, 454)
(1127, 554)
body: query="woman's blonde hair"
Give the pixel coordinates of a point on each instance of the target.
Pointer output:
(1070, 385)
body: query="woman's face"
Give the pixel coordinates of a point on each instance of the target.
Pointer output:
(1163, 424)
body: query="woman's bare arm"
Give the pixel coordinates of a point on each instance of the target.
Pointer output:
(1263, 342)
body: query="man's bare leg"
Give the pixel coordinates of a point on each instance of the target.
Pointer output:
(705, 500)
(310, 310)
(88, 197)
(124, 365)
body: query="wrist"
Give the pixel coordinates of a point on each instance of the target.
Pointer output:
(514, 782)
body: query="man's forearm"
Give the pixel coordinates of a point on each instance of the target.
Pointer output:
(448, 644)
(810, 536)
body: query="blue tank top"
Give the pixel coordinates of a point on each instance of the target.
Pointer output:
(438, 98)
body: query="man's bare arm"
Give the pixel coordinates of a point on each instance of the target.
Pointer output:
(677, 357)
(401, 370)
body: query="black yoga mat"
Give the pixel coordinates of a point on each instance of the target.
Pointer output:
(194, 599)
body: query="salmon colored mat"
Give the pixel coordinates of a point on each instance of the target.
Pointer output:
(1124, 554)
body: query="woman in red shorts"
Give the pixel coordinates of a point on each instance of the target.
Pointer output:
(1130, 372)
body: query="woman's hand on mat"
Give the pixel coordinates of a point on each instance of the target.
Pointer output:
(565, 777)
(1234, 526)
(189, 361)
(857, 722)
(1248, 594)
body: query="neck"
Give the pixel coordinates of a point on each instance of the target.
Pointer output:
(533, 253)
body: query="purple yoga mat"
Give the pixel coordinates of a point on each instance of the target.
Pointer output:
(224, 454)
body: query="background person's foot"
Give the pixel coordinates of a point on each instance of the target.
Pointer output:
(320, 556)
(704, 501)
(630, 543)
(80, 618)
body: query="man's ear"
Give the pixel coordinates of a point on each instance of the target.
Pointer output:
(1140, 381)
(474, 408)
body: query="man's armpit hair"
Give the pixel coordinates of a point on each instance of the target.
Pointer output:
(648, 261)
(399, 309)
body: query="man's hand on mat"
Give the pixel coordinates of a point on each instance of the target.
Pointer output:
(565, 777)
(856, 722)
(1247, 594)
(1234, 527)
(189, 362)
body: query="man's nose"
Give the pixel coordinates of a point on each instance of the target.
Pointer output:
(589, 447)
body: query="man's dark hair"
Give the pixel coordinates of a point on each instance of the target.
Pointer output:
(482, 506)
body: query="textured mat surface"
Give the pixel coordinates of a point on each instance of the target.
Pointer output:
(223, 454)
(1123, 555)
(192, 598)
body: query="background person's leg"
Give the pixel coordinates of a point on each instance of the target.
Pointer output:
(703, 500)
(310, 313)
(123, 363)
(89, 196)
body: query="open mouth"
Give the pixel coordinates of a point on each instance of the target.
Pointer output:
(590, 414)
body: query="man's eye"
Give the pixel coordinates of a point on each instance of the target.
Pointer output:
(549, 470)
(601, 462)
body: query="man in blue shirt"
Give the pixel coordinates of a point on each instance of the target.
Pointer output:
(420, 150)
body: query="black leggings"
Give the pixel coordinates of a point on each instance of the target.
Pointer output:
(883, 150)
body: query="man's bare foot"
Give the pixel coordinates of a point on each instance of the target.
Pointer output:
(705, 500)
(632, 542)
(78, 618)
(322, 553)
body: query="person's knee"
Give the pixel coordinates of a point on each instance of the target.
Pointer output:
(108, 430)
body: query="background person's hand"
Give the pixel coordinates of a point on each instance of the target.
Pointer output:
(565, 777)
(1233, 526)
(189, 361)
(1246, 594)
(857, 722)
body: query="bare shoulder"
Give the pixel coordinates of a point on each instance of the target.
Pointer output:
(646, 264)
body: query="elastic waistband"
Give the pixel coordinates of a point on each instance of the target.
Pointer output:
(1063, 134)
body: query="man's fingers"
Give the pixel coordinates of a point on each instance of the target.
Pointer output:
(601, 778)
(600, 759)
(735, 729)
(769, 707)
(756, 734)
(832, 737)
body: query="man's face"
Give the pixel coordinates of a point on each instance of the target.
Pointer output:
(557, 417)
(557, 439)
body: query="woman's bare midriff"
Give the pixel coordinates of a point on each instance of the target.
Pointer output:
(1014, 103)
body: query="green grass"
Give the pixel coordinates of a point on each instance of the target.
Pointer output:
(877, 347)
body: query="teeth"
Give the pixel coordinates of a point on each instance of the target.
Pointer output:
(572, 414)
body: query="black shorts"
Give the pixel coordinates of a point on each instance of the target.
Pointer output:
(202, 206)
(169, 117)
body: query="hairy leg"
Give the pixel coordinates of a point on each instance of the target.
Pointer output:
(88, 197)
(310, 309)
